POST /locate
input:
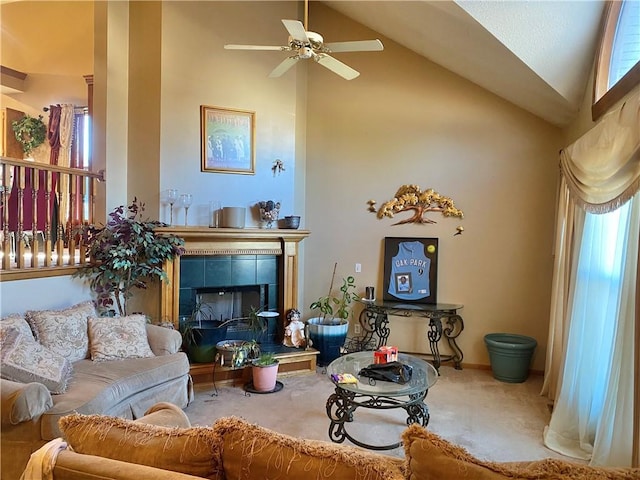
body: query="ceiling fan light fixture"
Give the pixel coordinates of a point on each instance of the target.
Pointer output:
(305, 52)
(308, 44)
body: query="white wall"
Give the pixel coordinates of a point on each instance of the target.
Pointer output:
(18, 296)
(198, 71)
(408, 121)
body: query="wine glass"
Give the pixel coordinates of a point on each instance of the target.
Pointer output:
(172, 196)
(185, 200)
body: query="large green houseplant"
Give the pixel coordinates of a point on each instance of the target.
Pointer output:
(328, 330)
(125, 254)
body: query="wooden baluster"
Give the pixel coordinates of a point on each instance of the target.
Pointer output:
(20, 173)
(73, 208)
(93, 186)
(6, 240)
(60, 239)
(82, 193)
(35, 244)
(47, 221)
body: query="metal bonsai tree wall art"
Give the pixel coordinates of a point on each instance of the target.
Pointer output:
(411, 197)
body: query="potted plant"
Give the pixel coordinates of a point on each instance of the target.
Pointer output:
(264, 371)
(259, 322)
(236, 353)
(125, 254)
(201, 333)
(328, 331)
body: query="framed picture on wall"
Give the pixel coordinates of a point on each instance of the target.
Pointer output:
(227, 140)
(410, 269)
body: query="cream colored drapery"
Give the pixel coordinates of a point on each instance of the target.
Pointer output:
(599, 173)
(64, 158)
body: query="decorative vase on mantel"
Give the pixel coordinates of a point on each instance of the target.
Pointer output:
(269, 211)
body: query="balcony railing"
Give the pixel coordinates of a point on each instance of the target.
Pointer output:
(41, 208)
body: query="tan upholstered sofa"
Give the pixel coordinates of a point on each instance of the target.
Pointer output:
(119, 385)
(162, 445)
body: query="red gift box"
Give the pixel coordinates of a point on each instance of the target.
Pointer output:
(385, 354)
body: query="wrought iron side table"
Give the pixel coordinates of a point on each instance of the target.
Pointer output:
(374, 320)
(377, 395)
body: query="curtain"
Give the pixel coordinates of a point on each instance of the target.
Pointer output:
(53, 133)
(591, 314)
(65, 131)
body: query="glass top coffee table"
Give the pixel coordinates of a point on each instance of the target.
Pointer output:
(377, 395)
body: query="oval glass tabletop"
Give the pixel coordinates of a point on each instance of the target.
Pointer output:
(423, 377)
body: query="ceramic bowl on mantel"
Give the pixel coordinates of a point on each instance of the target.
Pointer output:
(292, 221)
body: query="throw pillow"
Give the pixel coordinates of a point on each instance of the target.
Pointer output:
(17, 322)
(24, 360)
(113, 338)
(251, 451)
(429, 457)
(194, 451)
(63, 331)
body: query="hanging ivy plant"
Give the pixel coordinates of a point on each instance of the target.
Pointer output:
(30, 132)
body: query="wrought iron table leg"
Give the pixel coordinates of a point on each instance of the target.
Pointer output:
(339, 410)
(377, 323)
(455, 325)
(382, 328)
(433, 335)
(417, 410)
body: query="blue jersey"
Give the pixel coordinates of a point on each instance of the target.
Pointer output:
(410, 272)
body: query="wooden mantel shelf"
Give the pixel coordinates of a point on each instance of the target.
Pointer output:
(236, 241)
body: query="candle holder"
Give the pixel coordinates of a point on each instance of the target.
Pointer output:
(186, 199)
(172, 197)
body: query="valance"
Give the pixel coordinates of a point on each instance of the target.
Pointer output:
(602, 168)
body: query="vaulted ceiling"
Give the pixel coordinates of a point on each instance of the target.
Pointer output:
(535, 54)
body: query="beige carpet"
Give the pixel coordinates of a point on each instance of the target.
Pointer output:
(493, 420)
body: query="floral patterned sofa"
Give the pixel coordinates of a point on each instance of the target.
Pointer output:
(57, 362)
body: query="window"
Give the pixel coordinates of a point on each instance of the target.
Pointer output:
(618, 62)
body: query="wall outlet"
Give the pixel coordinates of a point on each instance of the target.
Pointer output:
(358, 267)
(357, 329)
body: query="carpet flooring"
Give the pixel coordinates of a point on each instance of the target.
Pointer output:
(493, 420)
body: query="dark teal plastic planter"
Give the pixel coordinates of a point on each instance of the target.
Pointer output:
(510, 356)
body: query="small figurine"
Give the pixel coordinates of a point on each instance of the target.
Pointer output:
(294, 330)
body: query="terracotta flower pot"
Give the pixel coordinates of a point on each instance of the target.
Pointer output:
(264, 378)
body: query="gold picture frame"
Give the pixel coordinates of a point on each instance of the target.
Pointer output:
(227, 138)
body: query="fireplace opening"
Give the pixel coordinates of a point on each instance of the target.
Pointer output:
(235, 303)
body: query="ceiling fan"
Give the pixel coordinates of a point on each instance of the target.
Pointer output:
(308, 44)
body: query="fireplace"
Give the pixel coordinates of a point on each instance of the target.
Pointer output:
(219, 260)
(262, 259)
(230, 287)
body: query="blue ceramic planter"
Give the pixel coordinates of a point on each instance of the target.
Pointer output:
(327, 337)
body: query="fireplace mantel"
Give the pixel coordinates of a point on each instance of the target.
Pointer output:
(234, 241)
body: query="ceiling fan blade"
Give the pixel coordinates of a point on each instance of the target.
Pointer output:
(357, 46)
(255, 47)
(285, 65)
(336, 66)
(296, 30)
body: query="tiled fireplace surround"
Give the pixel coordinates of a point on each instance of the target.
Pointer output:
(226, 257)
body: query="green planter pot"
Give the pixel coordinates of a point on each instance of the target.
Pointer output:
(510, 356)
(205, 335)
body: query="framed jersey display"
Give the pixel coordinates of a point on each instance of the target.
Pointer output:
(410, 269)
